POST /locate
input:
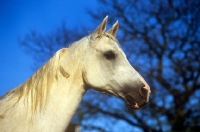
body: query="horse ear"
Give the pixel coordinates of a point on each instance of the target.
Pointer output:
(114, 29)
(99, 31)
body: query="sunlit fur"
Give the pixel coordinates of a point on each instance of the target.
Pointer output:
(47, 101)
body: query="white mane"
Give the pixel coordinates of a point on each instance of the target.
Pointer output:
(37, 88)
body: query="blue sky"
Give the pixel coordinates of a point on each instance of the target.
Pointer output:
(18, 17)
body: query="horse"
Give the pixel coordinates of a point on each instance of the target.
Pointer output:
(47, 100)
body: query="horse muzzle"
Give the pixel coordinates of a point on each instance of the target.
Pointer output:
(138, 100)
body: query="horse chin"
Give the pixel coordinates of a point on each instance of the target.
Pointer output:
(132, 103)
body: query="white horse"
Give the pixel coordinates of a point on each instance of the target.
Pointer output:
(47, 101)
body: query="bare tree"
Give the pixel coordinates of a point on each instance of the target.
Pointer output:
(161, 40)
(165, 48)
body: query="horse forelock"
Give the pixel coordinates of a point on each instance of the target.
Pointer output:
(112, 38)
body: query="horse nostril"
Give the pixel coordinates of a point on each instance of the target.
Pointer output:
(143, 92)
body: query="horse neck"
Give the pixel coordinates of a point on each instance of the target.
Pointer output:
(60, 99)
(70, 87)
(67, 92)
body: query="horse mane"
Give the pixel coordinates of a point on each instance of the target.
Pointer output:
(37, 88)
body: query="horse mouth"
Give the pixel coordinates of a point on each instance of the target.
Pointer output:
(131, 102)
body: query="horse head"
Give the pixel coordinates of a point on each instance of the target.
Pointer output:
(108, 70)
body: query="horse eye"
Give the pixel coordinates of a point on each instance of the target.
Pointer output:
(109, 55)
